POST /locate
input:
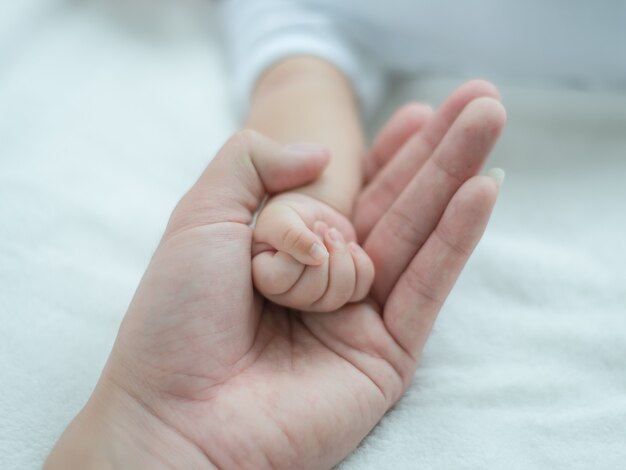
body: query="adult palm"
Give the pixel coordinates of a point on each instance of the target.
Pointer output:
(244, 383)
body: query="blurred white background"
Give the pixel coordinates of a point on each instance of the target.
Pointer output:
(109, 110)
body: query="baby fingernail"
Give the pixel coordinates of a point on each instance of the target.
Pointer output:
(335, 236)
(319, 228)
(354, 248)
(318, 251)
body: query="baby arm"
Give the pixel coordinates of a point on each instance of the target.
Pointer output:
(305, 253)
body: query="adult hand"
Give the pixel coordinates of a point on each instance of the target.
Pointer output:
(205, 373)
(423, 208)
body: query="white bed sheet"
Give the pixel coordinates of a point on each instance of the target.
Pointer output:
(106, 119)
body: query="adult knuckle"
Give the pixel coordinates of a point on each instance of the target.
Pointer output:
(404, 227)
(242, 141)
(419, 286)
(387, 188)
(453, 245)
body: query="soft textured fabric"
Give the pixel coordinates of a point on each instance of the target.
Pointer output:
(110, 110)
(564, 42)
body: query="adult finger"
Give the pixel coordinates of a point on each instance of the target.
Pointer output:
(378, 196)
(244, 171)
(405, 122)
(404, 228)
(419, 294)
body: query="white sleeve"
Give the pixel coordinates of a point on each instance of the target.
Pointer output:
(261, 32)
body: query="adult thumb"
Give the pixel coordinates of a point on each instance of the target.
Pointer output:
(247, 168)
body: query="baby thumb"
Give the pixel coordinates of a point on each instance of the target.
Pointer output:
(281, 226)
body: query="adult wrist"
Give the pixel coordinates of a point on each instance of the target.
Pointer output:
(115, 431)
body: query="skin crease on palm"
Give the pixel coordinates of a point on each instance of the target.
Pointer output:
(219, 377)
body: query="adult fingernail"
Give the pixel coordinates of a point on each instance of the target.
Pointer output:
(497, 174)
(318, 252)
(304, 149)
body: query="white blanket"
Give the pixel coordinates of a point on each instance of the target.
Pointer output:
(108, 114)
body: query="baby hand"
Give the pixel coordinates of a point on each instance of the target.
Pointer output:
(305, 256)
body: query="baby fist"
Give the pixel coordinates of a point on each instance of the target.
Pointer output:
(300, 262)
